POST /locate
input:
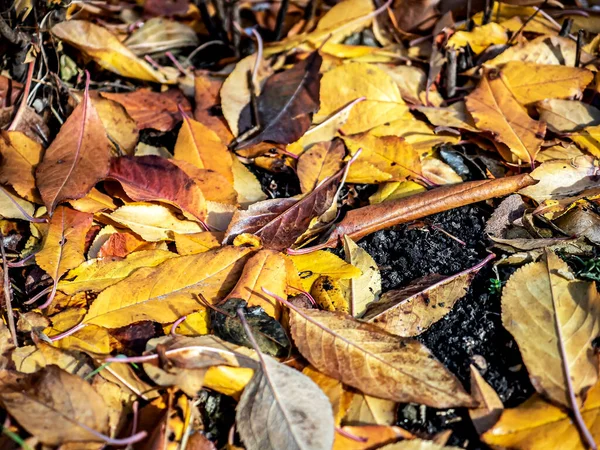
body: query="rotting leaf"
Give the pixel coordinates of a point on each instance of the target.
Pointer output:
(544, 300)
(285, 105)
(269, 334)
(410, 310)
(282, 408)
(399, 364)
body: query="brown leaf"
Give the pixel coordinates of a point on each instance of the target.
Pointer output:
(378, 363)
(153, 109)
(77, 159)
(206, 96)
(368, 436)
(495, 109)
(152, 178)
(363, 221)
(490, 406)
(322, 160)
(56, 407)
(286, 103)
(412, 309)
(10, 90)
(20, 157)
(554, 318)
(279, 222)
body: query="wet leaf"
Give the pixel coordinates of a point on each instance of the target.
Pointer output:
(148, 178)
(20, 157)
(158, 110)
(269, 334)
(77, 158)
(412, 309)
(52, 396)
(495, 109)
(104, 47)
(545, 300)
(285, 104)
(399, 364)
(171, 294)
(282, 408)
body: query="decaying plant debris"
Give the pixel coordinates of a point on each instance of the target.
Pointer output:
(307, 225)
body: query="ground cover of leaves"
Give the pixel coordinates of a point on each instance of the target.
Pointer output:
(299, 225)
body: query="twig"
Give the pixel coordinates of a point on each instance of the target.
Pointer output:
(565, 29)
(8, 294)
(176, 324)
(283, 9)
(23, 106)
(529, 19)
(451, 73)
(579, 45)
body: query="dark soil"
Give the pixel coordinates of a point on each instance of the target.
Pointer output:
(276, 185)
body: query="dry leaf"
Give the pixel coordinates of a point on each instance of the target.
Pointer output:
(417, 444)
(322, 263)
(282, 408)
(567, 115)
(453, 116)
(159, 35)
(496, 110)
(490, 406)
(412, 309)
(171, 294)
(366, 288)
(479, 38)
(412, 82)
(77, 158)
(367, 410)
(321, 161)
(339, 397)
(20, 157)
(370, 354)
(13, 207)
(554, 319)
(246, 185)
(328, 294)
(189, 244)
(368, 437)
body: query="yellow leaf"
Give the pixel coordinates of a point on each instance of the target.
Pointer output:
(228, 380)
(588, 139)
(365, 410)
(195, 324)
(395, 190)
(339, 397)
(539, 425)
(554, 319)
(200, 146)
(366, 288)
(235, 92)
(64, 244)
(31, 358)
(214, 186)
(439, 172)
(98, 274)
(531, 82)
(171, 293)
(351, 81)
(328, 295)
(13, 207)
(383, 158)
(91, 338)
(479, 38)
(344, 19)
(20, 157)
(412, 82)
(246, 185)
(153, 222)
(490, 406)
(94, 201)
(496, 110)
(189, 244)
(453, 116)
(552, 50)
(101, 45)
(313, 265)
(567, 115)
(265, 269)
(321, 161)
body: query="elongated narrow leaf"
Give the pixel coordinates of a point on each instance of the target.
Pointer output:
(56, 407)
(283, 409)
(554, 319)
(286, 103)
(64, 244)
(151, 178)
(378, 363)
(412, 309)
(77, 159)
(170, 294)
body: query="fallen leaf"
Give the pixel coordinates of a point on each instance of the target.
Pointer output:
(282, 408)
(265, 269)
(53, 396)
(338, 396)
(344, 84)
(199, 145)
(496, 110)
(321, 161)
(32, 358)
(322, 263)
(368, 410)
(328, 294)
(96, 275)
(93, 202)
(410, 310)
(412, 82)
(121, 244)
(20, 157)
(417, 444)
(214, 186)
(158, 110)
(10, 91)
(530, 82)
(77, 158)
(490, 408)
(189, 244)
(567, 115)
(453, 116)
(384, 158)
(13, 207)
(104, 48)
(246, 185)
(64, 244)
(90, 338)
(285, 104)
(148, 178)
(369, 436)
(153, 222)
(160, 34)
(588, 139)
(395, 190)
(170, 295)
(544, 300)
(361, 222)
(206, 96)
(270, 336)
(399, 364)
(235, 92)
(479, 38)
(366, 288)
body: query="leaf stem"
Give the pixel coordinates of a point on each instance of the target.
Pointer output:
(23, 106)
(8, 294)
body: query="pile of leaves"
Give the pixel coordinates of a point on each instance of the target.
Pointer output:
(184, 188)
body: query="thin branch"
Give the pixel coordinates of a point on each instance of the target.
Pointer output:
(23, 106)
(8, 294)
